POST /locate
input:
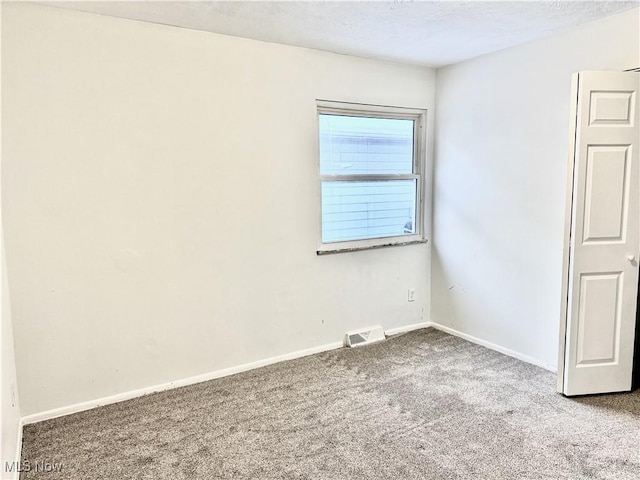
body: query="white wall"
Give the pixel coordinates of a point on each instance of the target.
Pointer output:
(9, 404)
(162, 203)
(500, 178)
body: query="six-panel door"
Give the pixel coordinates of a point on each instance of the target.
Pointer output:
(605, 236)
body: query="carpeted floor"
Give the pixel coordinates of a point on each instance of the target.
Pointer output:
(424, 405)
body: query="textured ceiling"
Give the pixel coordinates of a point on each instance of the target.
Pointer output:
(431, 33)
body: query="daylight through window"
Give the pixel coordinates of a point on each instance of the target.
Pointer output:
(371, 161)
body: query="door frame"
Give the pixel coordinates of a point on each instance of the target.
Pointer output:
(566, 246)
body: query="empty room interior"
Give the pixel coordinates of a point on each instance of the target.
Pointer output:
(320, 240)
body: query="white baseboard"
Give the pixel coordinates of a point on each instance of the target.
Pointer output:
(79, 407)
(18, 457)
(493, 346)
(120, 397)
(15, 473)
(407, 328)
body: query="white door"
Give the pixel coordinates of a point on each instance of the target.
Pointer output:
(604, 244)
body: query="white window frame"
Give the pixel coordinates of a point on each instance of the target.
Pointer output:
(419, 117)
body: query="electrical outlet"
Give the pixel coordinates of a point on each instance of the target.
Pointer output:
(411, 295)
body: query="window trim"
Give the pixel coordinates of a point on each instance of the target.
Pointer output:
(419, 117)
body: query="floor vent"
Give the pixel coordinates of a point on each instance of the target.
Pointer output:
(364, 337)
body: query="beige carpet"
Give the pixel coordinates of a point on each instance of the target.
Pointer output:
(424, 405)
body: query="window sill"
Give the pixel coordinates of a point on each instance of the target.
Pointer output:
(332, 248)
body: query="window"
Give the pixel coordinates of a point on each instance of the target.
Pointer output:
(371, 173)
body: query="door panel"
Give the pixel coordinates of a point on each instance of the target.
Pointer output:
(611, 108)
(599, 319)
(605, 236)
(606, 193)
